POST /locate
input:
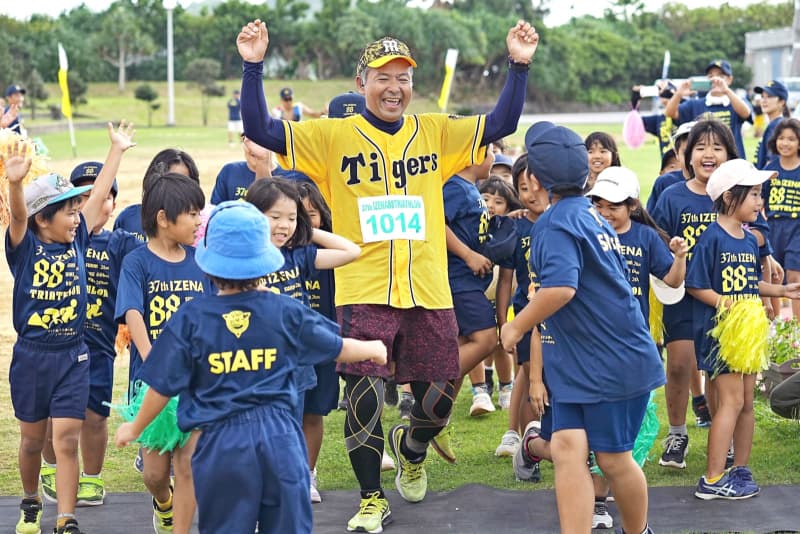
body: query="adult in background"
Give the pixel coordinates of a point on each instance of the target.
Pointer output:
(235, 128)
(381, 173)
(290, 110)
(12, 118)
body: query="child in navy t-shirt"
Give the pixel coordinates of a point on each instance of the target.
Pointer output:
(232, 358)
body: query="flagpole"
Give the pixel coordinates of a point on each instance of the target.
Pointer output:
(66, 105)
(449, 71)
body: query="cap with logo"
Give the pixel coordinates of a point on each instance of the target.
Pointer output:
(774, 88)
(286, 93)
(90, 170)
(49, 189)
(345, 105)
(722, 65)
(379, 53)
(615, 184)
(14, 89)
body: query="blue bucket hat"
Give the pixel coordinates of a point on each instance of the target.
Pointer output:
(345, 105)
(237, 243)
(774, 88)
(90, 170)
(557, 156)
(49, 189)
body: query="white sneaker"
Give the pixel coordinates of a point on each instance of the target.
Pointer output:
(387, 464)
(600, 517)
(315, 496)
(504, 397)
(509, 444)
(481, 403)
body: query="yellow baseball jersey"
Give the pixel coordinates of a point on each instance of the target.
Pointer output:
(385, 194)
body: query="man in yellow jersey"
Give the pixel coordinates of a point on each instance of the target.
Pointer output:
(382, 174)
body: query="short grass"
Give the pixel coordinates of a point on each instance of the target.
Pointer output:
(776, 458)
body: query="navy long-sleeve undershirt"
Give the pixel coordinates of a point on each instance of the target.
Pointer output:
(268, 132)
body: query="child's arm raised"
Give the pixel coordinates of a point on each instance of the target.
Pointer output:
(334, 251)
(17, 162)
(138, 330)
(120, 142)
(677, 273)
(356, 350)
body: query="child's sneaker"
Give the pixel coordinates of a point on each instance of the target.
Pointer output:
(91, 491)
(30, 517)
(70, 527)
(504, 396)
(526, 467)
(47, 475)
(315, 496)
(162, 519)
(411, 479)
(746, 477)
(600, 517)
(509, 444)
(728, 487)
(701, 414)
(675, 448)
(373, 513)
(138, 462)
(442, 443)
(405, 405)
(481, 402)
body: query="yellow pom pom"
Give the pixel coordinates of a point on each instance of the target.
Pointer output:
(38, 167)
(742, 332)
(656, 318)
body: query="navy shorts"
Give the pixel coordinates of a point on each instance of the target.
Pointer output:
(49, 380)
(546, 432)
(677, 319)
(101, 382)
(474, 312)
(252, 466)
(609, 426)
(784, 235)
(712, 364)
(524, 344)
(324, 397)
(421, 344)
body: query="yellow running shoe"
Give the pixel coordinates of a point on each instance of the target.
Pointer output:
(373, 513)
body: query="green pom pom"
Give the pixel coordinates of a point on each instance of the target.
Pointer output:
(162, 434)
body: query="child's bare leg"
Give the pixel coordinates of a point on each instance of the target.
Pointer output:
(31, 443)
(48, 454)
(66, 433)
(730, 399)
(574, 493)
(313, 430)
(629, 485)
(94, 440)
(745, 424)
(519, 394)
(183, 500)
(155, 474)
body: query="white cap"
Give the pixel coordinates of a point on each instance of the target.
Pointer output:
(683, 129)
(664, 293)
(735, 172)
(615, 184)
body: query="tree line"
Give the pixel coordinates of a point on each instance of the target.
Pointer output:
(588, 60)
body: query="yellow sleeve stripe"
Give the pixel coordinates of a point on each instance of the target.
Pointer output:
(290, 144)
(476, 139)
(380, 154)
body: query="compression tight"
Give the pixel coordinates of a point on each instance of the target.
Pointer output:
(363, 432)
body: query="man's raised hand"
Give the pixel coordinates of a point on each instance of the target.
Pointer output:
(522, 41)
(252, 41)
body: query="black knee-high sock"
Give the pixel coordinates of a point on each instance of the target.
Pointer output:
(363, 433)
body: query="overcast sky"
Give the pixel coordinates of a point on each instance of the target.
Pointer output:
(561, 10)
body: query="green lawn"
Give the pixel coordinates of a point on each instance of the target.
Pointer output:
(776, 457)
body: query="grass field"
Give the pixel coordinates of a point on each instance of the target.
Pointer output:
(776, 457)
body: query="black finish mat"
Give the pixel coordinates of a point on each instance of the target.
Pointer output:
(474, 509)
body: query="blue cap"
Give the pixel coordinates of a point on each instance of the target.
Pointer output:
(14, 89)
(286, 93)
(502, 159)
(722, 65)
(502, 240)
(89, 171)
(49, 189)
(556, 155)
(237, 243)
(774, 88)
(345, 105)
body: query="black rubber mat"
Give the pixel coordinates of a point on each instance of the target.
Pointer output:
(474, 509)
